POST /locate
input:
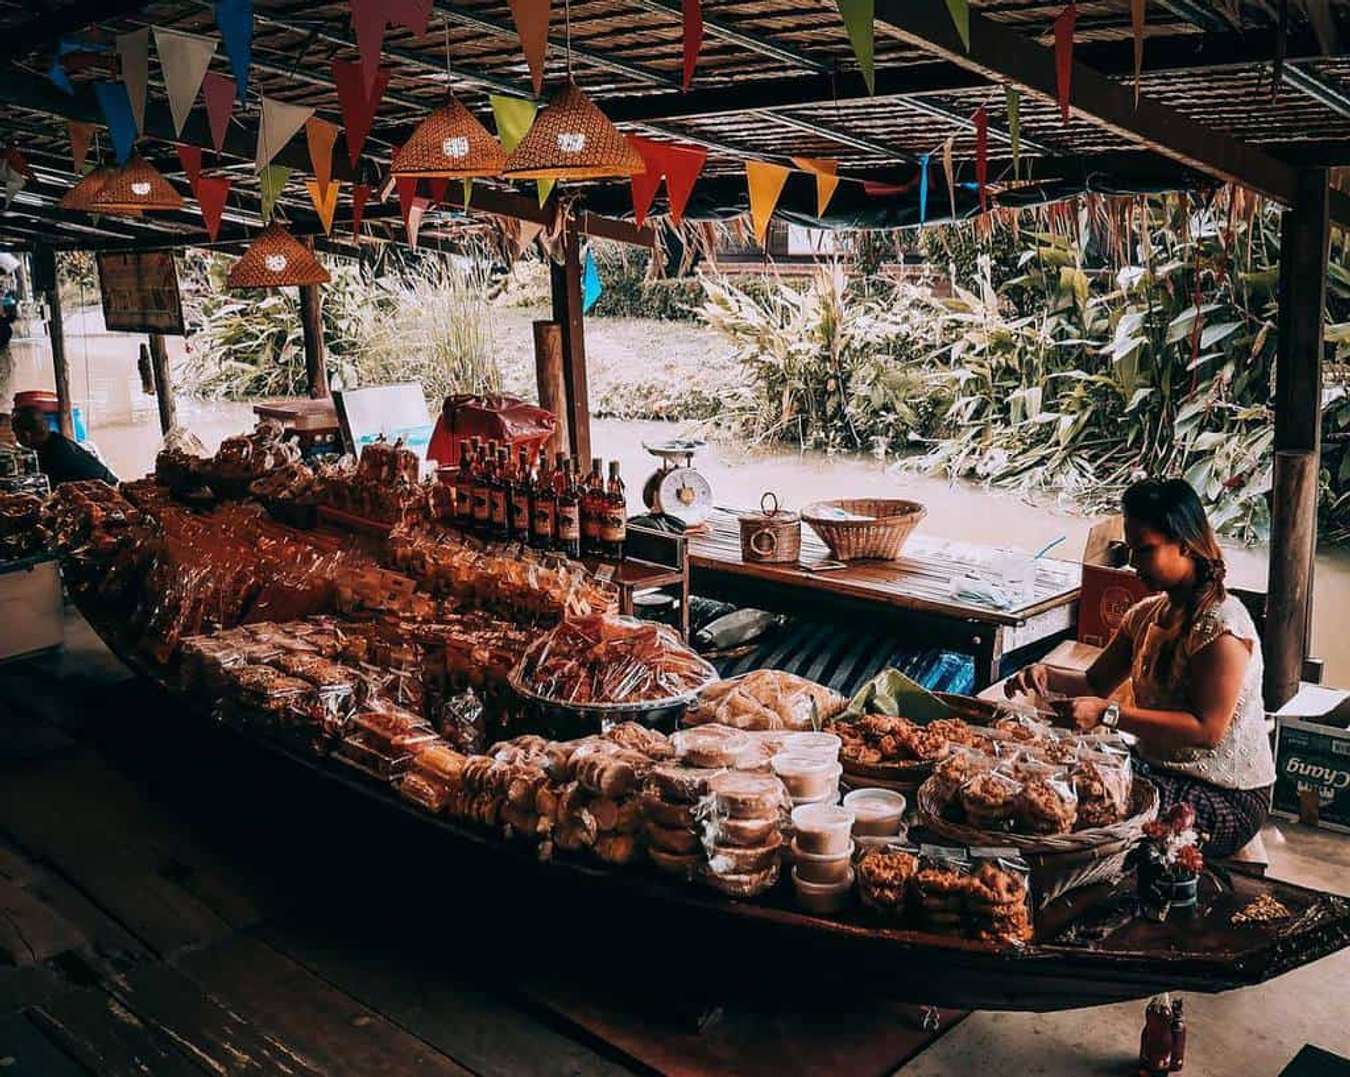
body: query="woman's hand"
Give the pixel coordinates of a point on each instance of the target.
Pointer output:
(1030, 680)
(1082, 712)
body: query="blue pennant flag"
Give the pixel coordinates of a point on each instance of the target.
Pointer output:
(235, 19)
(591, 288)
(116, 106)
(923, 188)
(57, 72)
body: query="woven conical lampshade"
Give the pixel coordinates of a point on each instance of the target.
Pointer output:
(135, 186)
(81, 196)
(276, 258)
(452, 144)
(571, 139)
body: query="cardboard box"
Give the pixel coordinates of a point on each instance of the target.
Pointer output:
(1312, 764)
(1108, 589)
(31, 607)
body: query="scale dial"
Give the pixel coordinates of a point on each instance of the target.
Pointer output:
(684, 494)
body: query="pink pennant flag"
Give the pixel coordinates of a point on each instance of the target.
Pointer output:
(1064, 26)
(360, 193)
(413, 218)
(358, 103)
(211, 193)
(692, 15)
(982, 154)
(369, 19)
(191, 158)
(218, 90)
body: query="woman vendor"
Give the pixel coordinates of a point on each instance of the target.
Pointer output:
(1193, 658)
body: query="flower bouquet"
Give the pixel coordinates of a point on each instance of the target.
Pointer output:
(1170, 863)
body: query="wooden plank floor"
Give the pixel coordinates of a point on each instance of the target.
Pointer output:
(167, 921)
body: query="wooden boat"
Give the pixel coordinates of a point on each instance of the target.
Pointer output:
(1091, 948)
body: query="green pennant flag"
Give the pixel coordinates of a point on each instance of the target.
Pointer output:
(273, 181)
(514, 115)
(857, 16)
(468, 190)
(545, 189)
(1015, 128)
(960, 12)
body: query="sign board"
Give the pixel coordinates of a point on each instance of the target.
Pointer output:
(140, 292)
(1312, 773)
(396, 411)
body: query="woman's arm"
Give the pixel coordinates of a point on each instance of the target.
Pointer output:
(1102, 678)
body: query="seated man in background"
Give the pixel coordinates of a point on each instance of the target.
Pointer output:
(60, 458)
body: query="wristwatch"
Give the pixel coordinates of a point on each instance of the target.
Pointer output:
(1111, 716)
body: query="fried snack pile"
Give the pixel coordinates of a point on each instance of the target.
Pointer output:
(765, 699)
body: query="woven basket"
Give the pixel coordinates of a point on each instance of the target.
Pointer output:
(1059, 862)
(880, 535)
(771, 536)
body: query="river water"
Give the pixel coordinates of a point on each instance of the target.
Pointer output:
(123, 424)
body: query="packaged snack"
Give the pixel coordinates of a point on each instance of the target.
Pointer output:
(940, 888)
(744, 885)
(680, 785)
(822, 829)
(877, 813)
(806, 776)
(823, 898)
(1047, 804)
(711, 746)
(998, 898)
(990, 800)
(957, 770)
(1102, 781)
(747, 796)
(744, 859)
(765, 699)
(884, 873)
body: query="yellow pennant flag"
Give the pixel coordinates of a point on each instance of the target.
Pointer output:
(827, 180)
(766, 184)
(950, 171)
(325, 201)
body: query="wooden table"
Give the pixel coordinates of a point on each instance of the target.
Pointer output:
(911, 597)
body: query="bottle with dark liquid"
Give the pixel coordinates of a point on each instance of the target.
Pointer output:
(543, 528)
(592, 505)
(613, 515)
(482, 492)
(500, 499)
(518, 498)
(569, 513)
(1178, 1037)
(464, 487)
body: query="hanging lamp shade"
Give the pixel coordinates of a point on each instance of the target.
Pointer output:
(275, 259)
(451, 144)
(81, 196)
(136, 186)
(571, 139)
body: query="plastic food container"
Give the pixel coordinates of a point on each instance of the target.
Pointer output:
(878, 813)
(830, 796)
(818, 744)
(806, 776)
(822, 898)
(814, 868)
(822, 829)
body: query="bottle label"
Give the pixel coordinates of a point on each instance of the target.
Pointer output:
(499, 507)
(590, 524)
(520, 512)
(613, 525)
(464, 501)
(569, 522)
(543, 520)
(482, 507)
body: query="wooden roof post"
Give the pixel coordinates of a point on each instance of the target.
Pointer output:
(159, 365)
(311, 325)
(44, 276)
(1305, 236)
(567, 302)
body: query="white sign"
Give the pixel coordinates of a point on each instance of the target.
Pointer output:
(396, 411)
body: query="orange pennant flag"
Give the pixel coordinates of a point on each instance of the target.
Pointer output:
(825, 170)
(325, 201)
(766, 184)
(320, 135)
(531, 19)
(80, 136)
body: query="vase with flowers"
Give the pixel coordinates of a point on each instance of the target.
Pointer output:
(1169, 864)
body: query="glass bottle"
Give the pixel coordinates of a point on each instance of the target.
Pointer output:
(518, 506)
(1178, 1037)
(569, 513)
(499, 498)
(613, 515)
(592, 506)
(482, 492)
(464, 486)
(543, 529)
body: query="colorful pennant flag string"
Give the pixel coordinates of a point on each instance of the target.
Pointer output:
(272, 179)
(949, 170)
(280, 123)
(191, 159)
(1064, 26)
(369, 19)
(325, 199)
(826, 172)
(360, 194)
(112, 99)
(81, 134)
(320, 135)
(514, 116)
(923, 187)
(592, 288)
(982, 155)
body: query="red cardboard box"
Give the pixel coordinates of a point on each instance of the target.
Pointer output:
(1108, 590)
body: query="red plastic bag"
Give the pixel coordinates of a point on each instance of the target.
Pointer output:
(504, 419)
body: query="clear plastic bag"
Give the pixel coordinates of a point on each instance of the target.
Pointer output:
(766, 699)
(1047, 803)
(998, 900)
(990, 800)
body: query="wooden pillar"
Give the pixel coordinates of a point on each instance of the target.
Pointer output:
(311, 323)
(566, 286)
(44, 277)
(1304, 241)
(159, 366)
(548, 371)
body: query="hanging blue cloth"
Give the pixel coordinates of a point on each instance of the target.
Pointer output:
(116, 105)
(235, 19)
(923, 188)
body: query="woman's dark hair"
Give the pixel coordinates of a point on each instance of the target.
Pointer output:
(1172, 507)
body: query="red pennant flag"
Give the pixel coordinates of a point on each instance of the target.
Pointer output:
(531, 18)
(437, 186)
(360, 193)
(682, 167)
(369, 19)
(410, 13)
(693, 37)
(211, 193)
(982, 154)
(645, 184)
(407, 195)
(81, 134)
(1064, 25)
(219, 93)
(358, 105)
(191, 158)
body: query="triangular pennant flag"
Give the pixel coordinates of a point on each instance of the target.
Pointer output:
(184, 59)
(982, 154)
(325, 201)
(112, 99)
(360, 193)
(960, 13)
(358, 104)
(691, 12)
(545, 189)
(280, 122)
(211, 194)
(407, 195)
(235, 19)
(949, 169)
(57, 73)
(272, 179)
(369, 19)
(410, 13)
(219, 93)
(645, 184)
(827, 178)
(320, 135)
(133, 51)
(923, 187)
(81, 134)
(682, 166)
(468, 190)
(413, 219)
(513, 116)
(191, 158)
(437, 188)
(1014, 102)
(531, 19)
(592, 288)
(766, 184)
(1064, 24)
(1137, 23)
(858, 16)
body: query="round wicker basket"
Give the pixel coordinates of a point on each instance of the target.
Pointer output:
(1059, 862)
(880, 531)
